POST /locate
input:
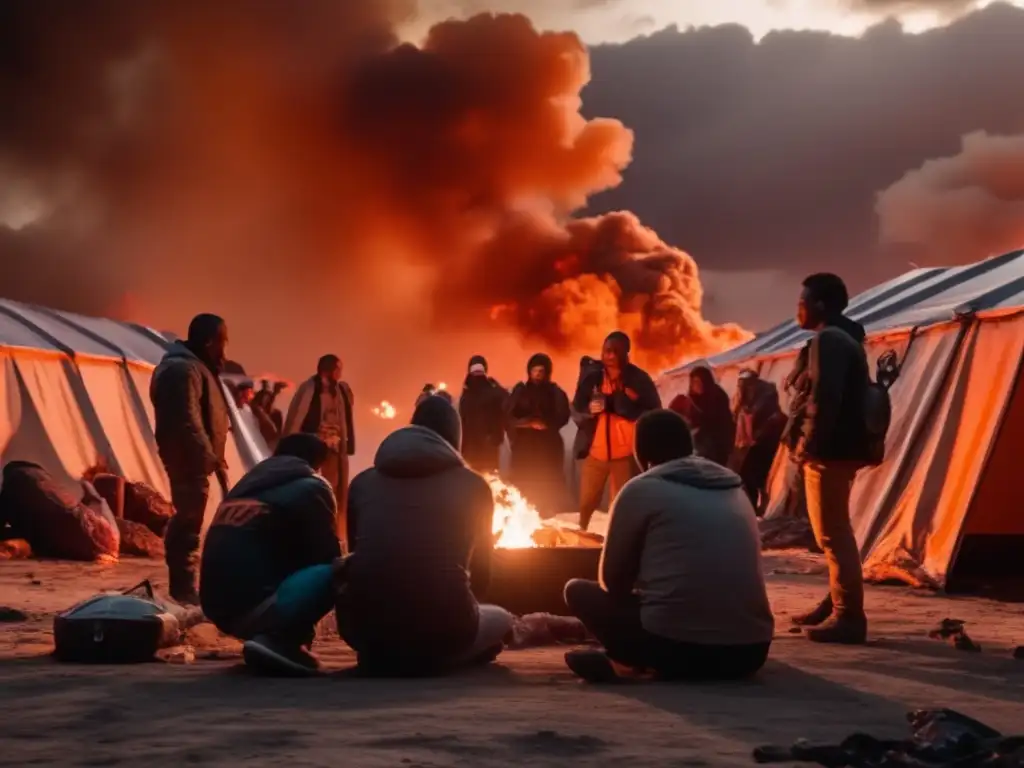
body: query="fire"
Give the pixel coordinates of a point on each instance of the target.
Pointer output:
(515, 519)
(442, 386)
(385, 410)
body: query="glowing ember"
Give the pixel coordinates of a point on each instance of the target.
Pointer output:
(442, 386)
(385, 410)
(515, 519)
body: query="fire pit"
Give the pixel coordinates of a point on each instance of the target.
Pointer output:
(534, 558)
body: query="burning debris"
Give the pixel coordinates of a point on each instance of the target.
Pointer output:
(384, 411)
(518, 525)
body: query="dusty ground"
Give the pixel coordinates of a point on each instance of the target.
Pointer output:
(527, 710)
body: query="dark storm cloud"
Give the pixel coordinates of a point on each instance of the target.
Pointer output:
(771, 154)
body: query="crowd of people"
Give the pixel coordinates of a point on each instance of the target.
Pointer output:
(403, 552)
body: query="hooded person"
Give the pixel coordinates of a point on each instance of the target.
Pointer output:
(322, 406)
(681, 591)
(268, 563)
(709, 416)
(614, 396)
(536, 411)
(420, 527)
(759, 425)
(191, 428)
(829, 436)
(482, 410)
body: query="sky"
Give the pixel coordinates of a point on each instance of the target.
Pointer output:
(145, 167)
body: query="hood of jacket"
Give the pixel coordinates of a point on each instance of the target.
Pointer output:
(415, 451)
(178, 350)
(696, 472)
(269, 474)
(852, 327)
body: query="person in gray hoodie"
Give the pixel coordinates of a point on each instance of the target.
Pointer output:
(420, 529)
(271, 556)
(681, 591)
(192, 422)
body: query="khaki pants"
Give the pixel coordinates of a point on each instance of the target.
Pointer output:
(335, 472)
(827, 485)
(595, 475)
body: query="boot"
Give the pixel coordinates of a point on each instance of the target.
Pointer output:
(844, 629)
(819, 615)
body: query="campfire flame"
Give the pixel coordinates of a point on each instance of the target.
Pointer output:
(515, 519)
(385, 410)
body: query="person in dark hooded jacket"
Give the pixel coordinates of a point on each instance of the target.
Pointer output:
(682, 590)
(269, 558)
(420, 523)
(192, 422)
(709, 415)
(828, 430)
(759, 424)
(482, 410)
(537, 410)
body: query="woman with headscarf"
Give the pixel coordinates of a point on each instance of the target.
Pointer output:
(709, 415)
(536, 411)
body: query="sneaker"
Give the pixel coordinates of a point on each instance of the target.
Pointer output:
(592, 666)
(268, 657)
(840, 631)
(821, 613)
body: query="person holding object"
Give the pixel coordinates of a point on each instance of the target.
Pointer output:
(192, 422)
(682, 525)
(615, 396)
(832, 444)
(269, 562)
(322, 406)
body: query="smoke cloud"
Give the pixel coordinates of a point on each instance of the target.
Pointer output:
(297, 170)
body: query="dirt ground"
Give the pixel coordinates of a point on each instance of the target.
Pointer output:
(525, 710)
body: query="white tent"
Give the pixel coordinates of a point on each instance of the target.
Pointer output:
(945, 505)
(75, 391)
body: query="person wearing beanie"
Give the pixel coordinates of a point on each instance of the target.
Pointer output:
(613, 395)
(420, 532)
(537, 410)
(482, 410)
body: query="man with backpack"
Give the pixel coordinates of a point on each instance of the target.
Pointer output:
(832, 444)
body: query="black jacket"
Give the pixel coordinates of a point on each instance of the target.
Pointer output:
(830, 381)
(619, 404)
(278, 519)
(482, 410)
(191, 410)
(419, 525)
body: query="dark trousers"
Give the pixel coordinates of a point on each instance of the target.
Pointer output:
(754, 466)
(181, 539)
(335, 472)
(615, 622)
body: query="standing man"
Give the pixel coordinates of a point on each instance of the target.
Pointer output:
(759, 425)
(482, 410)
(192, 424)
(322, 406)
(615, 396)
(832, 445)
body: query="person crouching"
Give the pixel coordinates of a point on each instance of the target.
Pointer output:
(270, 558)
(420, 527)
(681, 590)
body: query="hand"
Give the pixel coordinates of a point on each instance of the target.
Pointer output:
(537, 424)
(631, 394)
(222, 466)
(597, 406)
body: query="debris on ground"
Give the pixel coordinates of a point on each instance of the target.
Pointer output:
(939, 738)
(139, 541)
(15, 549)
(952, 631)
(11, 615)
(539, 629)
(787, 532)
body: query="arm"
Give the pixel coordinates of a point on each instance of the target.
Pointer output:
(584, 390)
(350, 422)
(181, 388)
(514, 415)
(319, 537)
(623, 547)
(828, 363)
(560, 417)
(296, 410)
(646, 398)
(483, 539)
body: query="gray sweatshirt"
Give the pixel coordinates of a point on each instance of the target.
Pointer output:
(684, 536)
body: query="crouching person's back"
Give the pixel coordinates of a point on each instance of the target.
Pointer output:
(420, 527)
(269, 558)
(682, 592)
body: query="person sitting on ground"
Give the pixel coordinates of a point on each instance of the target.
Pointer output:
(420, 526)
(271, 556)
(681, 590)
